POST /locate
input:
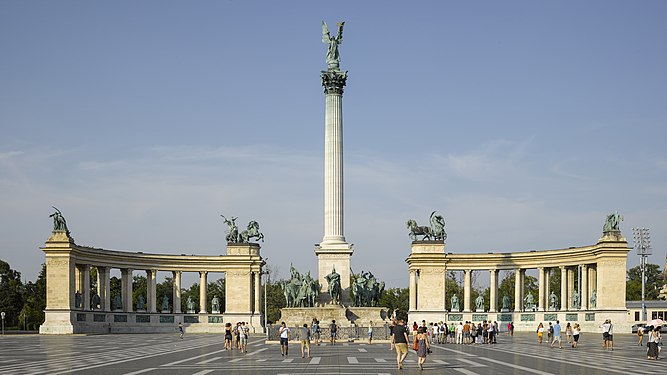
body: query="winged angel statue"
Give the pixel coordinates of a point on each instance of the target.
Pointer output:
(333, 57)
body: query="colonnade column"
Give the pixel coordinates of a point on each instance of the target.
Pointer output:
(103, 288)
(85, 291)
(517, 290)
(563, 288)
(592, 283)
(540, 288)
(258, 292)
(467, 281)
(583, 297)
(126, 289)
(570, 287)
(493, 303)
(202, 291)
(177, 292)
(413, 291)
(151, 290)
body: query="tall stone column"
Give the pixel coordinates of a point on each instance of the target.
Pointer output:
(413, 291)
(203, 283)
(104, 288)
(151, 290)
(258, 293)
(177, 292)
(85, 291)
(493, 303)
(467, 287)
(334, 252)
(518, 288)
(126, 288)
(570, 287)
(540, 288)
(547, 288)
(563, 288)
(583, 297)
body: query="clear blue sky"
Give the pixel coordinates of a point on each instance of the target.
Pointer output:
(523, 123)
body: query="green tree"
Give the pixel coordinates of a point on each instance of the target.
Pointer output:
(139, 287)
(11, 294)
(35, 303)
(506, 288)
(396, 298)
(275, 300)
(165, 288)
(216, 288)
(192, 292)
(453, 287)
(115, 290)
(654, 281)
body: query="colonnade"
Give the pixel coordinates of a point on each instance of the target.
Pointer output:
(601, 267)
(68, 299)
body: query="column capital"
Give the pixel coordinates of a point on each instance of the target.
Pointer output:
(333, 81)
(203, 273)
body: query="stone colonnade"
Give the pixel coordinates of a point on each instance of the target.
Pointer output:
(69, 308)
(596, 271)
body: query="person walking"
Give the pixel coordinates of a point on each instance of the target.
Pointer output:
(180, 329)
(316, 331)
(400, 342)
(243, 337)
(304, 336)
(284, 339)
(333, 328)
(540, 333)
(510, 328)
(568, 333)
(575, 334)
(640, 334)
(228, 336)
(423, 347)
(556, 328)
(610, 344)
(653, 342)
(550, 332)
(370, 332)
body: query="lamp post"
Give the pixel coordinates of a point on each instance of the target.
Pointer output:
(642, 239)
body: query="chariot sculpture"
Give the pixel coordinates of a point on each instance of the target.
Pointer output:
(435, 232)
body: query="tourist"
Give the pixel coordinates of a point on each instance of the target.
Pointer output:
(399, 339)
(550, 332)
(228, 336)
(394, 323)
(243, 337)
(414, 326)
(423, 347)
(459, 333)
(466, 333)
(442, 332)
(473, 333)
(434, 331)
(575, 334)
(284, 339)
(607, 335)
(540, 333)
(556, 335)
(568, 333)
(370, 332)
(653, 342)
(493, 332)
(480, 333)
(237, 335)
(610, 344)
(304, 336)
(640, 334)
(180, 328)
(510, 328)
(333, 328)
(452, 333)
(316, 331)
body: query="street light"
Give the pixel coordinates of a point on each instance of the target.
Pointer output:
(642, 240)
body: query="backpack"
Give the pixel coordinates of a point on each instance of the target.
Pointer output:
(551, 329)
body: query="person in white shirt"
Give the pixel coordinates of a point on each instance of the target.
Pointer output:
(459, 333)
(284, 339)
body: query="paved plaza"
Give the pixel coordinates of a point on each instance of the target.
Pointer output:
(204, 354)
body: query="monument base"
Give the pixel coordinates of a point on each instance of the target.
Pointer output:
(344, 316)
(332, 256)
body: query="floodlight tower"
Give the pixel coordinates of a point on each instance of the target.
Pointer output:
(642, 239)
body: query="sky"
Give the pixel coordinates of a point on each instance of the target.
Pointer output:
(523, 123)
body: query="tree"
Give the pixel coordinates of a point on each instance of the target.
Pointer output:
(165, 288)
(396, 298)
(506, 288)
(216, 288)
(453, 287)
(11, 294)
(35, 304)
(275, 300)
(192, 292)
(654, 281)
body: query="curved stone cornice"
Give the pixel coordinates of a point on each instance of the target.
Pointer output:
(333, 81)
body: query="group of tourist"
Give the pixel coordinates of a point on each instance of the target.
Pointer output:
(306, 334)
(653, 341)
(237, 336)
(554, 334)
